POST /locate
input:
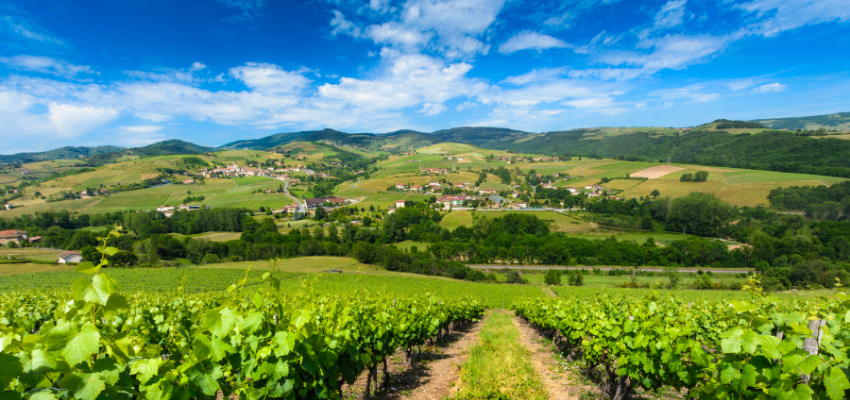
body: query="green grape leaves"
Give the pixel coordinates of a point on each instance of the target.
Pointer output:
(82, 345)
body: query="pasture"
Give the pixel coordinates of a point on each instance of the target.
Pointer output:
(558, 222)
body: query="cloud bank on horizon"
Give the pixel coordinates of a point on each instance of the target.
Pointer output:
(213, 71)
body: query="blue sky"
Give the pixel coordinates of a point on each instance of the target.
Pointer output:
(133, 72)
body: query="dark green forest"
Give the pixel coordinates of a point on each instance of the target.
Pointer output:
(772, 150)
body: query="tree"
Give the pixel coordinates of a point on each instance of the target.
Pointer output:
(364, 252)
(552, 277)
(686, 177)
(655, 193)
(514, 277)
(701, 214)
(701, 176)
(320, 214)
(575, 278)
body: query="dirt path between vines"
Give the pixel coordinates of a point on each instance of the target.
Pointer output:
(546, 363)
(433, 377)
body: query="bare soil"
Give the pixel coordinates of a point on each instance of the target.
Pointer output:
(656, 172)
(433, 375)
(559, 384)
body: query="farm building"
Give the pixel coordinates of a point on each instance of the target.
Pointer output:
(451, 201)
(336, 201)
(70, 257)
(12, 236)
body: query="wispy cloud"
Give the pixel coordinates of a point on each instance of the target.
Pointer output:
(46, 65)
(20, 24)
(770, 88)
(531, 41)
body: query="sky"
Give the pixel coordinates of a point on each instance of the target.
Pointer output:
(134, 72)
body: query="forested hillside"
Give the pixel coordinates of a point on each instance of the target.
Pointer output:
(772, 150)
(64, 153)
(828, 121)
(371, 140)
(164, 148)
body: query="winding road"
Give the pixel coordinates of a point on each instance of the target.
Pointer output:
(653, 269)
(302, 207)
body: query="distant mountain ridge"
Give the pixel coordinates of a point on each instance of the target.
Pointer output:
(649, 143)
(164, 148)
(332, 135)
(840, 121)
(63, 153)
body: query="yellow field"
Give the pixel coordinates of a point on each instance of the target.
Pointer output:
(15, 269)
(30, 253)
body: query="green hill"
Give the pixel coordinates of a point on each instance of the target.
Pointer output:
(839, 121)
(403, 138)
(64, 153)
(164, 148)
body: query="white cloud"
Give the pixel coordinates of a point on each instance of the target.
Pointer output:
(141, 128)
(20, 24)
(531, 41)
(409, 80)
(770, 88)
(536, 75)
(669, 52)
(691, 92)
(466, 105)
(431, 109)
(196, 66)
(562, 21)
(784, 15)
(397, 34)
(617, 74)
(738, 86)
(671, 14)
(46, 65)
(70, 121)
(343, 26)
(451, 28)
(269, 78)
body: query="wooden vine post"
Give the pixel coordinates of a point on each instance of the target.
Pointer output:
(812, 344)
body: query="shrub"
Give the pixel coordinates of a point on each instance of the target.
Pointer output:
(575, 278)
(514, 277)
(553, 277)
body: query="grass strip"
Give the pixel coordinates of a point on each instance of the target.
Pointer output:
(498, 366)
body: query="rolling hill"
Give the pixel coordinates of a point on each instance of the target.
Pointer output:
(402, 138)
(64, 153)
(839, 121)
(164, 148)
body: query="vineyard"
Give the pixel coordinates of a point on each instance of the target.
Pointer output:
(759, 348)
(98, 343)
(198, 333)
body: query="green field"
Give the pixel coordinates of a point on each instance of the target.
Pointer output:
(605, 281)
(740, 177)
(559, 222)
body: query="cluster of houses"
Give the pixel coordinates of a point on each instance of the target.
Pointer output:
(528, 159)
(435, 171)
(268, 172)
(235, 171)
(17, 237)
(169, 210)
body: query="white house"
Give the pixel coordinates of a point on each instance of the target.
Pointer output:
(70, 257)
(398, 204)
